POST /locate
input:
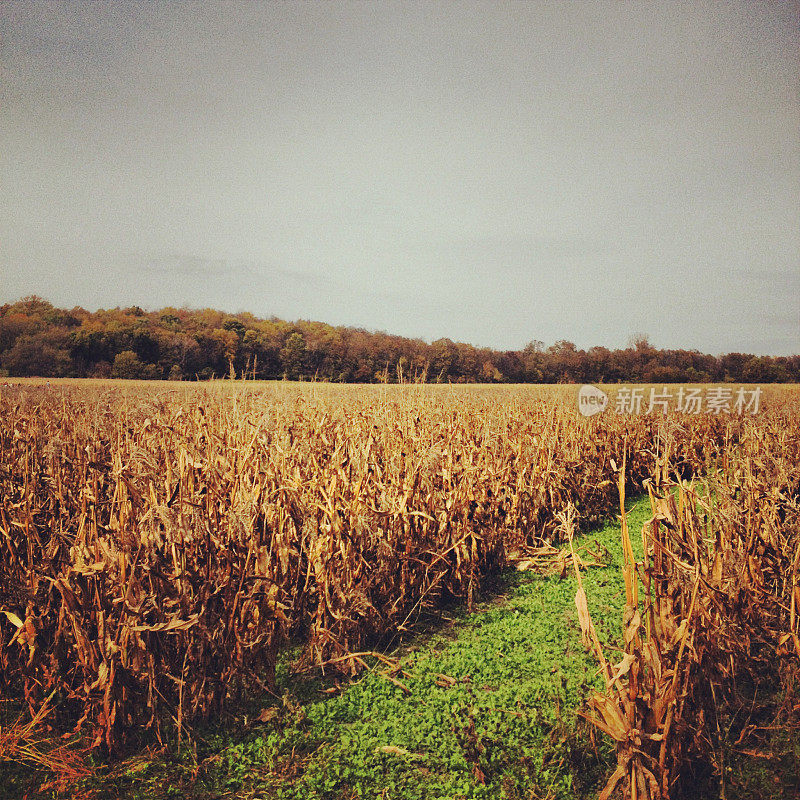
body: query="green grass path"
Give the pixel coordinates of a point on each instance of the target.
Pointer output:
(507, 727)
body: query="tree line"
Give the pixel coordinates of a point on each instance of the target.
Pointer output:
(38, 339)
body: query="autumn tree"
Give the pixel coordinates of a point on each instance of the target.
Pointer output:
(36, 338)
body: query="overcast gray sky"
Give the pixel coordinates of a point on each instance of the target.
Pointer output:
(491, 172)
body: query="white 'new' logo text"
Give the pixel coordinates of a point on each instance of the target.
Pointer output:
(591, 400)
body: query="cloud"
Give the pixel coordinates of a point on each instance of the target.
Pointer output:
(491, 173)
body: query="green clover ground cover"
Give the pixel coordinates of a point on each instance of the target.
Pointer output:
(502, 723)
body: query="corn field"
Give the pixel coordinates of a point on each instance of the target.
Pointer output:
(158, 550)
(712, 610)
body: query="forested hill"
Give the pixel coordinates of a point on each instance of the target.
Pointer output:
(38, 339)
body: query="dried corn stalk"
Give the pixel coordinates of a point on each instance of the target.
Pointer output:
(156, 550)
(720, 579)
